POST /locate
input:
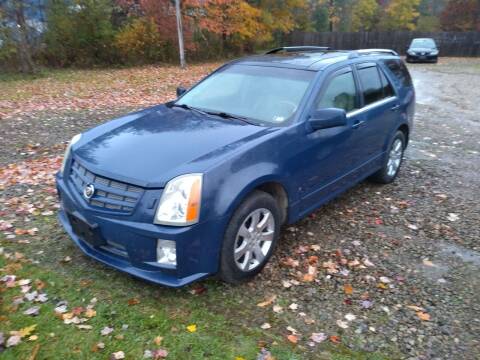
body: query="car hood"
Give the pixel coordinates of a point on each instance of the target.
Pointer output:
(150, 147)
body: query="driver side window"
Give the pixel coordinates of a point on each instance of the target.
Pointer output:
(340, 93)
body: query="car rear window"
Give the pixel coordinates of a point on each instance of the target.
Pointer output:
(398, 68)
(371, 85)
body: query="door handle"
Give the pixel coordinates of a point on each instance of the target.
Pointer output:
(357, 124)
(395, 107)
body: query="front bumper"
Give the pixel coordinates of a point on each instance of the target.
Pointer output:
(129, 245)
(422, 58)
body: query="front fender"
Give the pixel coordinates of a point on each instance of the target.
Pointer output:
(227, 188)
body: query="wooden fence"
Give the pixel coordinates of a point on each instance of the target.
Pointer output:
(450, 43)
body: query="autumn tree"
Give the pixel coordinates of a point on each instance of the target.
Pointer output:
(364, 15)
(461, 15)
(401, 15)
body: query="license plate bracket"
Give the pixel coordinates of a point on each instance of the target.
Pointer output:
(85, 231)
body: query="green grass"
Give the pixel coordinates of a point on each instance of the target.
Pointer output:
(227, 317)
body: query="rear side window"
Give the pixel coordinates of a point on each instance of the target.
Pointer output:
(371, 85)
(387, 87)
(340, 93)
(398, 68)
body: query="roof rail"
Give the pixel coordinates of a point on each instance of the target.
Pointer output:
(298, 49)
(357, 53)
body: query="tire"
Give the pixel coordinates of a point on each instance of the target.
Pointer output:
(240, 237)
(385, 175)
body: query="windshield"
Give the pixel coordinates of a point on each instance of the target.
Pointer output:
(265, 95)
(423, 43)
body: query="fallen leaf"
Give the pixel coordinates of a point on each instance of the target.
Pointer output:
(268, 301)
(106, 331)
(26, 331)
(423, 316)
(292, 338)
(342, 324)
(13, 341)
(350, 317)
(427, 262)
(293, 306)
(85, 327)
(159, 354)
(133, 301)
(89, 313)
(33, 311)
(98, 346)
(335, 339)
(33, 338)
(66, 259)
(453, 217)
(277, 309)
(119, 355)
(318, 337)
(192, 328)
(415, 307)
(348, 289)
(266, 326)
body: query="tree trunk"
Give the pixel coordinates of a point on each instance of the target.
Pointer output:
(23, 48)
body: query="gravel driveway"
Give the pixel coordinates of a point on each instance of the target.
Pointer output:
(396, 266)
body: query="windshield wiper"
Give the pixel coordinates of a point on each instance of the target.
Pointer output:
(187, 107)
(225, 115)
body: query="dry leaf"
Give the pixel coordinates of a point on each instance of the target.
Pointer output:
(292, 338)
(348, 289)
(133, 301)
(90, 313)
(267, 302)
(423, 316)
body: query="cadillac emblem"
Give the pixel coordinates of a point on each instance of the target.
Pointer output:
(88, 191)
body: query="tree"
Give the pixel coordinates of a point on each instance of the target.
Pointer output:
(79, 33)
(401, 15)
(16, 28)
(461, 15)
(364, 15)
(428, 23)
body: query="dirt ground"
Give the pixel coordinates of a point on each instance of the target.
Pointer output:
(406, 256)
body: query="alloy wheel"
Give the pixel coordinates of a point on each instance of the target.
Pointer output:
(254, 239)
(395, 157)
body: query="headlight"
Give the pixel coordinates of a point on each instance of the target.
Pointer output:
(67, 151)
(410, 52)
(180, 201)
(434, 52)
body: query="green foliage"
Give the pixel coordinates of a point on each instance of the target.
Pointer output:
(364, 15)
(428, 23)
(401, 15)
(139, 42)
(79, 32)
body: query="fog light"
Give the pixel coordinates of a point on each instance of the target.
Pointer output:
(166, 252)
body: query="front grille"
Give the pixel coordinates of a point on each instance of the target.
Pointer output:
(109, 194)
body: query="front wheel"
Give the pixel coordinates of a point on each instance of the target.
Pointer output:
(250, 238)
(393, 160)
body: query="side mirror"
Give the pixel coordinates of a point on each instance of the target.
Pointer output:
(327, 118)
(180, 91)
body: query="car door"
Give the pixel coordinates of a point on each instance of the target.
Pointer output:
(328, 158)
(379, 110)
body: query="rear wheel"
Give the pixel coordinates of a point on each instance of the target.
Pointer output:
(393, 160)
(250, 238)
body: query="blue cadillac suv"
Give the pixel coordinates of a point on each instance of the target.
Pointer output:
(201, 185)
